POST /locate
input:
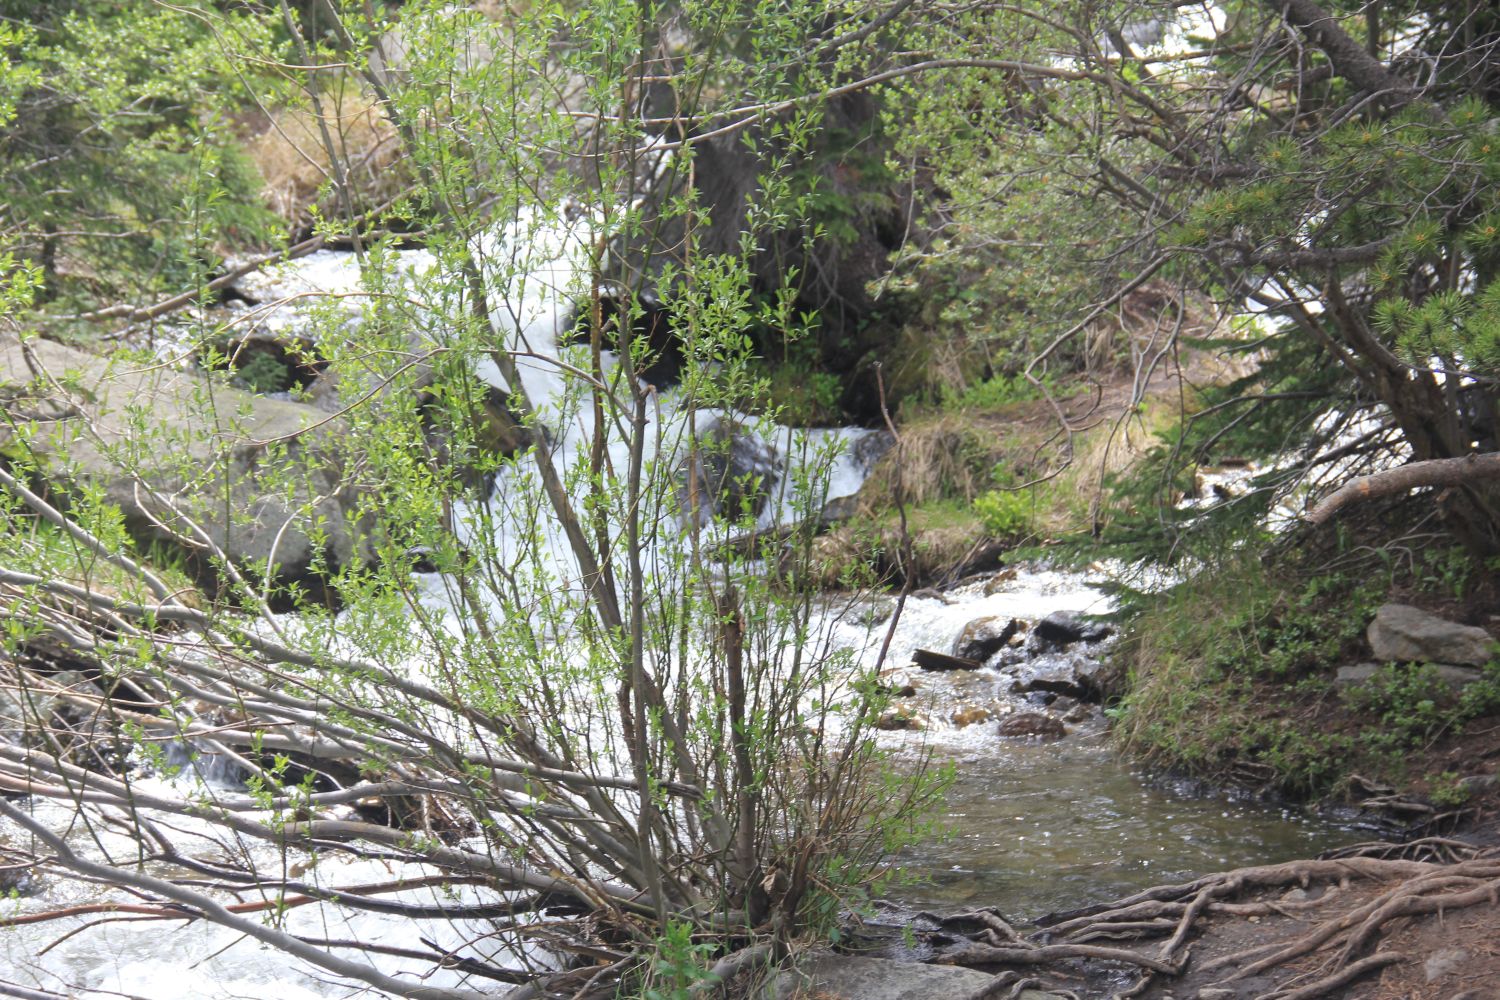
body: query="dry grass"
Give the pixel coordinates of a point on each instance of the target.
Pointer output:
(295, 163)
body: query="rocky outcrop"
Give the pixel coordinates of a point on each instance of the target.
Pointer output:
(1401, 633)
(192, 466)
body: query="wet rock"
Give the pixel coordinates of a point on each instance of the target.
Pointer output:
(898, 686)
(734, 473)
(1077, 711)
(1072, 674)
(998, 582)
(1402, 633)
(901, 717)
(1031, 724)
(1062, 628)
(1010, 656)
(984, 637)
(18, 881)
(871, 448)
(929, 659)
(23, 714)
(969, 715)
(877, 612)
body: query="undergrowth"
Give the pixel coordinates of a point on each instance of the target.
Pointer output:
(1231, 674)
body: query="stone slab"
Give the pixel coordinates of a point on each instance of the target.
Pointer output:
(847, 977)
(1401, 633)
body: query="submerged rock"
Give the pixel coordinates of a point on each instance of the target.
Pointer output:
(968, 715)
(1031, 724)
(901, 717)
(1072, 674)
(1402, 633)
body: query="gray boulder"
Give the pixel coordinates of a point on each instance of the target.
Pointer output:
(187, 460)
(1360, 674)
(734, 473)
(1355, 675)
(1401, 633)
(984, 637)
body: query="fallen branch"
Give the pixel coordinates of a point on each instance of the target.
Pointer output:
(1436, 472)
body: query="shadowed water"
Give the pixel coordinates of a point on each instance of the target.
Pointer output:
(1038, 827)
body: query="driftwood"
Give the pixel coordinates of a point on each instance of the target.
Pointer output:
(930, 659)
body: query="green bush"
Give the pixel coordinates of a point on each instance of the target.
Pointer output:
(1006, 511)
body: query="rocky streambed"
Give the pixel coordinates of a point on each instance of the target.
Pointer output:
(999, 678)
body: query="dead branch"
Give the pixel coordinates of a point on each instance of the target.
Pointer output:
(1447, 472)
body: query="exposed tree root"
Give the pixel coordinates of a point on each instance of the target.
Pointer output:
(1431, 876)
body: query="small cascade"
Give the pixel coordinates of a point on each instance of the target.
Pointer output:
(538, 268)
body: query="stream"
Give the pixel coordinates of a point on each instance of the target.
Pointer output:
(1032, 826)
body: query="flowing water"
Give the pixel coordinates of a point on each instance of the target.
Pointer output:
(1035, 826)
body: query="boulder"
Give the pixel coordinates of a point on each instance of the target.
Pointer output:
(1027, 725)
(1355, 675)
(1358, 675)
(1062, 628)
(984, 637)
(838, 510)
(1401, 633)
(734, 472)
(178, 454)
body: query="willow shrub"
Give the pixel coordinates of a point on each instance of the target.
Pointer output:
(595, 708)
